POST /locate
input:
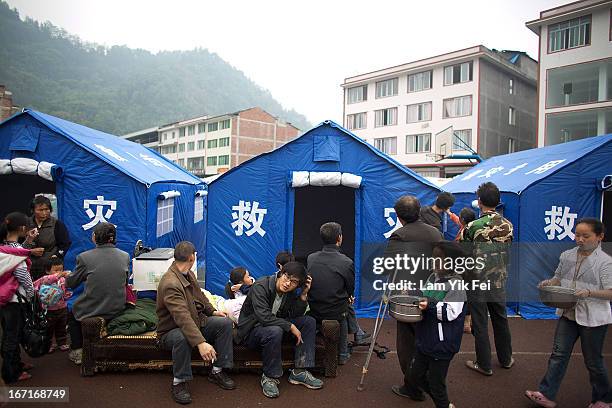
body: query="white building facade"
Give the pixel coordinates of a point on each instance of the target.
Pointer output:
(206, 146)
(400, 109)
(575, 71)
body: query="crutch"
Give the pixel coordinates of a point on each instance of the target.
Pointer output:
(380, 317)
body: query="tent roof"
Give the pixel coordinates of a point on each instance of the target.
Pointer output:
(132, 159)
(332, 124)
(515, 172)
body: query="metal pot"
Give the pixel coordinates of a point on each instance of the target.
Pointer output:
(558, 296)
(405, 308)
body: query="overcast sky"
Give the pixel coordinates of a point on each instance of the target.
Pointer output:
(300, 50)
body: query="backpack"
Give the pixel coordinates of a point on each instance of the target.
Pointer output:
(36, 340)
(50, 294)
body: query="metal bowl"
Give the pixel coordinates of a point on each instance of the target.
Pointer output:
(405, 308)
(558, 296)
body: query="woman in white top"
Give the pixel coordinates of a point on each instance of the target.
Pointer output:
(588, 269)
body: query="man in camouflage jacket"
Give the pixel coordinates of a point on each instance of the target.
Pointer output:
(489, 238)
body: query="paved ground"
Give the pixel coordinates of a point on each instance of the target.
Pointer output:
(532, 342)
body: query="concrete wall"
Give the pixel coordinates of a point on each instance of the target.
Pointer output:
(495, 100)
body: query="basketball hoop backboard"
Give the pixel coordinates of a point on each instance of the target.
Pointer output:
(443, 143)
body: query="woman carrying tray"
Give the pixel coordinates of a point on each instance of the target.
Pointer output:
(587, 269)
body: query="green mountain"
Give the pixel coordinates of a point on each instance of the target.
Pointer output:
(118, 89)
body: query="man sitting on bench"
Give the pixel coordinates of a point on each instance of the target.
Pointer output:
(271, 310)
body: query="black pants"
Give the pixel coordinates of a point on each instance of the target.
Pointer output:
(430, 375)
(76, 333)
(269, 339)
(12, 320)
(406, 349)
(218, 333)
(493, 303)
(56, 320)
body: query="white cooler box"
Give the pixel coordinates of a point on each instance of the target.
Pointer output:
(148, 268)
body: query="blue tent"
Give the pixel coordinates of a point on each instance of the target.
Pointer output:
(544, 192)
(278, 200)
(98, 176)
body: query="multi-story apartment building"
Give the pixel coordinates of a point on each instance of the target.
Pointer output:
(575, 71)
(210, 145)
(6, 104)
(487, 98)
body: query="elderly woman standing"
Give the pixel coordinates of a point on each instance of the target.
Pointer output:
(52, 239)
(587, 269)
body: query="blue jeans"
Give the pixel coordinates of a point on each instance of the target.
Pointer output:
(591, 340)
(269, 340)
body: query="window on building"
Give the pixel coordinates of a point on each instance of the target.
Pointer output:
(198, 209)
(181, 147)
(385, 117)
(211, 161)
(419, 82)
(190, 146)
(165, 136)
(165, 216)
(225, 124)
(386, 145)
(201, 127)
(458, 73)
(181, 162)
(201, 144)
(462, 139)
(511, 116)
(386, 88)
(191, 130)
(569, 34)
(182, 132)
(456, 107)
(356, 121)
(168, 149)
(418, 143)
(511, 145)
(223, 160)
(213, 126)
(511, 86)
(195, 164)
(212, 143)
(567, 126)
(419, 112)
(173, 134)
(224, 141)
(580, 83)
(357, 94)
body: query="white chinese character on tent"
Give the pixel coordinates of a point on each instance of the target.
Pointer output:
(111, 153)
(545, 167)
(515, 168)
(154, 161)
(99, 216)
(472, 174)
(249, 217)
(491, 172)
(395, 223)
(559, 223)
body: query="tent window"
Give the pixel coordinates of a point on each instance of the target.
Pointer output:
(199, 210)
(165, 216)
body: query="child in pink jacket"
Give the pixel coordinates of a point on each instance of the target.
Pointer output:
(53, 295)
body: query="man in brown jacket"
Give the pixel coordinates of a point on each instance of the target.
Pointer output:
(188, 320)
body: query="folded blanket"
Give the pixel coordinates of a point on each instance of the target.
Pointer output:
(133, 321)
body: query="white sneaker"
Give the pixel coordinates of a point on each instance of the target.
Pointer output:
(76, 356)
